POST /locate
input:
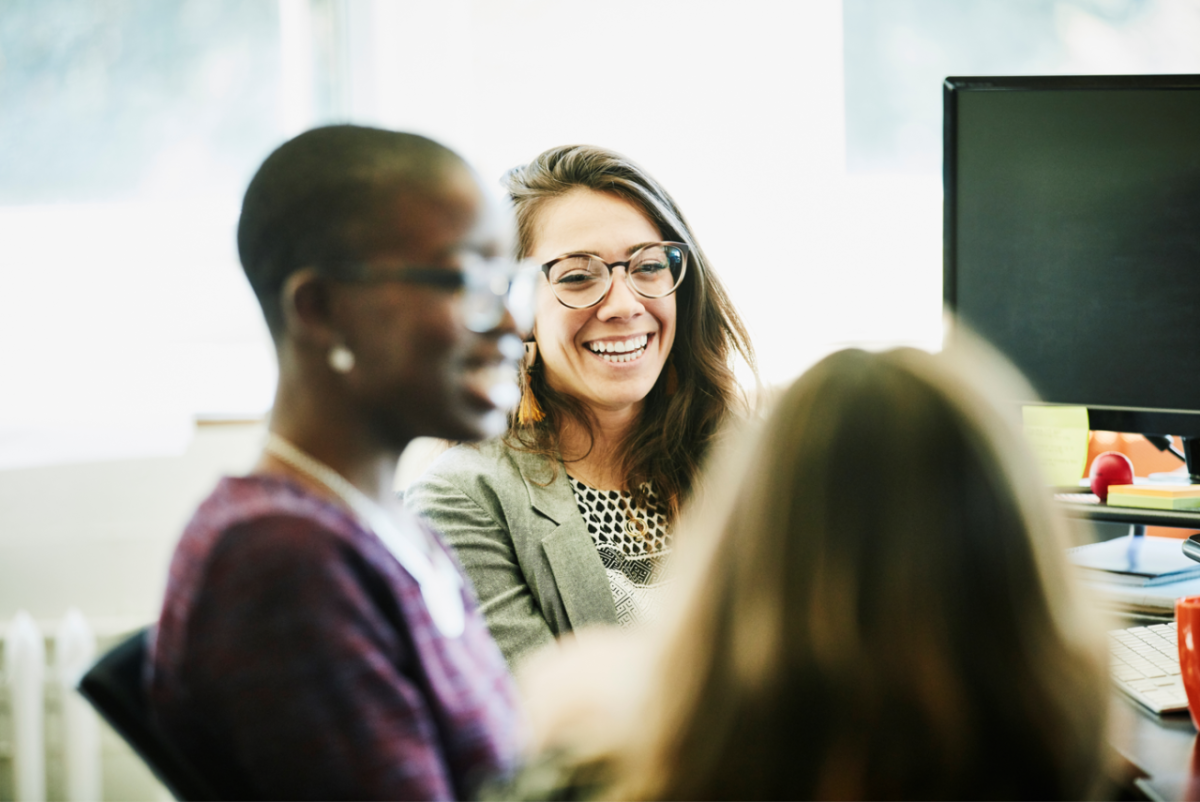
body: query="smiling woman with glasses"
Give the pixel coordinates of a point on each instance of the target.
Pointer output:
(566, 521)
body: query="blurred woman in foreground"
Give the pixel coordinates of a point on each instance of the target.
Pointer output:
(317, 641)
(879, 607)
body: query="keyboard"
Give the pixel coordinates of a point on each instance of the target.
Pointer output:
(1145, 665)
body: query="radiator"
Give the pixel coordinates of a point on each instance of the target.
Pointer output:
(36, 688)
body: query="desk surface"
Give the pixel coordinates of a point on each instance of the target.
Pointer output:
(1165, 748)
(1186, 519)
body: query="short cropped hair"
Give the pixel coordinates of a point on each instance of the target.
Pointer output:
(318, 198)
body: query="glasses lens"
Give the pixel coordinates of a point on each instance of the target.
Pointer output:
(482, 305)
(579, 281)
(656, 270)
(522, 296)
(492, 284)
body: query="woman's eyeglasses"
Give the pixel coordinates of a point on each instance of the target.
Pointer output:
(489, 285)
(581, 280)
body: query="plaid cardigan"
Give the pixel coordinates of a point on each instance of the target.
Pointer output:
(295, 659)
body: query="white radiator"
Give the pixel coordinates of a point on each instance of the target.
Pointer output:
(29, 683)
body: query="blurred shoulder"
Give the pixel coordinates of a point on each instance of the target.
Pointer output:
(489, 472)
(490, 467)
(467, 461)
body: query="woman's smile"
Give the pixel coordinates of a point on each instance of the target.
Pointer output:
(622, 350)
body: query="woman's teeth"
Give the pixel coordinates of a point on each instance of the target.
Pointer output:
(620, 350)
(623, 357)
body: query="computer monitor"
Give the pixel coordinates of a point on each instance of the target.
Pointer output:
(1072, 239)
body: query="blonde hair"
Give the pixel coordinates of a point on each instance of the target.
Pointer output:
(880, 607)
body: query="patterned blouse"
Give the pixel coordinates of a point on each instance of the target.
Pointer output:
(633, 543)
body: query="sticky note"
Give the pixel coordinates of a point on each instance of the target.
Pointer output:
(1058, 436)
(1160, 497)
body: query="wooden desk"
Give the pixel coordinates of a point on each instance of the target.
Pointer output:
(1185, 519)
(1164, 748)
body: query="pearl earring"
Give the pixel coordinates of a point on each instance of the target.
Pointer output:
(341, 358)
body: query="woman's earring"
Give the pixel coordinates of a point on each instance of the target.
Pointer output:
(341, 358)
(529, 411)
(672, 385)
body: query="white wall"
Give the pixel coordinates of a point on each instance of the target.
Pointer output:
(98, 536)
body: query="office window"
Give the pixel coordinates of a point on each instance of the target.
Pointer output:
(132, 311)
(122, 101)
(130, 130)
(898, 51)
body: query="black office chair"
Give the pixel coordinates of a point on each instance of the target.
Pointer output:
(114, 687)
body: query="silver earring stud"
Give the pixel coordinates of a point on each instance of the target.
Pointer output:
(341, 358)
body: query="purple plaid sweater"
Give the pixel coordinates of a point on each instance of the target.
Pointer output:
(295, 659)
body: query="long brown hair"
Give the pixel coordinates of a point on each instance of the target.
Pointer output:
(674, 432)
(882, 609)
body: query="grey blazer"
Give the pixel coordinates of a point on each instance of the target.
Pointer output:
(524, 544)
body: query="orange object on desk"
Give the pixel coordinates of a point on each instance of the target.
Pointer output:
(1187, 621)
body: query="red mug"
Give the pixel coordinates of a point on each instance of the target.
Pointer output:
(1187, 622)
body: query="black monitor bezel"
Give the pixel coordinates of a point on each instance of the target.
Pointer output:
(1102, 418)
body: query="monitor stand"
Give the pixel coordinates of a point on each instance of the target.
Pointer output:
(1189, 473)
(1191, 451)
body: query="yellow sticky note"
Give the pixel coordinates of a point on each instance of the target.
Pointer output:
(1059, 438)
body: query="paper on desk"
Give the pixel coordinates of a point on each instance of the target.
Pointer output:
(1157, 598)
(1058, 436)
